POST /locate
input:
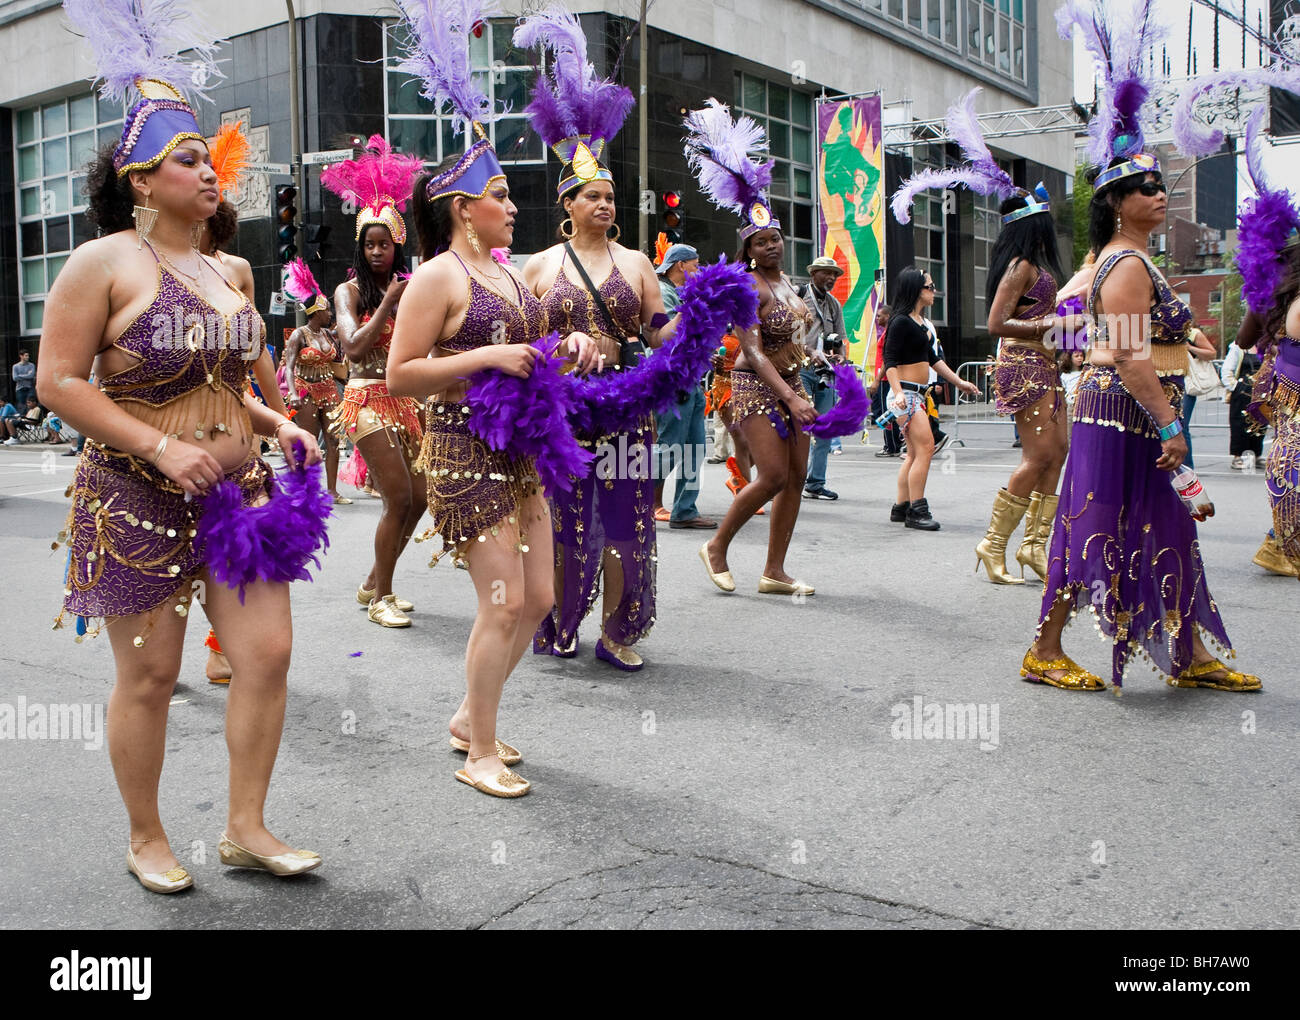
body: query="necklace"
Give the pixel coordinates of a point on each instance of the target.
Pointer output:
(513, 302)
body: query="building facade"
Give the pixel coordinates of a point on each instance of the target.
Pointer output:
(771, 59)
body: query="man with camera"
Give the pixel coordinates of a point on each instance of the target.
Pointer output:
(825, 343)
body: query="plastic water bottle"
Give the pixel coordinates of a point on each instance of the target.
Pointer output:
(1192, 493)
(883, 421)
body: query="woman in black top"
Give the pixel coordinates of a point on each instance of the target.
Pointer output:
(908, 357)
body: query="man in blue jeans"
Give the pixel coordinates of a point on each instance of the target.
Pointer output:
(825, 343)
(680, 443)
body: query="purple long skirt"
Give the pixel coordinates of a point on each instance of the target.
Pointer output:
(1282, 470)
(1123, 545)
(611, 509)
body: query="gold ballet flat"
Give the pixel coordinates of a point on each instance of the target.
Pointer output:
(504, 784)
(385, 613)
(172, 880)
(1198, 676)
(365, 597)
(508, 755)
(1076, 678)
(722, 579)
(295, 862)
(768, 586)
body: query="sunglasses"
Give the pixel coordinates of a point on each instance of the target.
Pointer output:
(927, 286)
(1152, 188)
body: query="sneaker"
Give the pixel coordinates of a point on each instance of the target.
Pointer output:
(898, 512)
(941, 440)
(821, 492)
(837, 453)
(1016, 445)
(886, 453)
(918, 516)
(11, 441)
(1237, 462)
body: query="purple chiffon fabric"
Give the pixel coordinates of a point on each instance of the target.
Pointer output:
(1282, 470)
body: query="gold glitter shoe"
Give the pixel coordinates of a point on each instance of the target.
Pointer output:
(504, 784)
(508, 755)
(1076, 677)
(1039, 518)
(172, 880)
(385, 613)
(1271, 557)
(1199, 676)
(722, 578)
(769, 586)
(365, 597)
(294, 862)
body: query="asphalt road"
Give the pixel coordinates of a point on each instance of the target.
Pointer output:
(755, 774)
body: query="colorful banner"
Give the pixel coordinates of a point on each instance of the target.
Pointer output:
(851, 195)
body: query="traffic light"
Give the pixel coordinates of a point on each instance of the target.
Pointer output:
(317, 238)
(674, 222)
(286, 226)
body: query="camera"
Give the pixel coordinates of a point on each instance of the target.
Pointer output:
(832, 347)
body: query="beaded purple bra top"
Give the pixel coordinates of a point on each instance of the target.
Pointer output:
(1042, 295)
(185, 344)
(491, 318)
(1171, 319)
(569, 308)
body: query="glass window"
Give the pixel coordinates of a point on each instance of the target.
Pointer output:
(1018, 53)
(802, 184)
(755, 95)
(778, 101)
(801, 150)
(780, 178)
(83, 149)
(896, 9)
(52, 267)
(801, 104)
(738, 90)
(81, 113)
(33, 315)
(499, 70)
(933, 18)
(1004, 45)
(34, 277)
(29, 163)
(973, 29)
(58, 234)
(914, 13)
(28, 126)
(950, 23)
(54, 119)
(778, 139)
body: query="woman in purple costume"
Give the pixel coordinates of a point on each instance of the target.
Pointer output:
(1124, 545)
(1023, 272)
(167, 336)
(1277, 401)
(605, 530)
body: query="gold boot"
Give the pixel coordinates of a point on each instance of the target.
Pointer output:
(1272, 559)
(1039, 519)
(992, 551)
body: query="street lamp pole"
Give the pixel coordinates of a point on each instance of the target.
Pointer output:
(643, 146)
(295, 136)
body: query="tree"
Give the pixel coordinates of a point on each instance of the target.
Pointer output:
(1230, 309)
(1081, 198)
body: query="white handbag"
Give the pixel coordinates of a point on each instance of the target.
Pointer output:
(1201, 379)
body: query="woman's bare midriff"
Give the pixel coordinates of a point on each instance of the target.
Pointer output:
(918, 372)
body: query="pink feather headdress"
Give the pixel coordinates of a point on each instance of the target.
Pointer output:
(379, 183)
(301, 285)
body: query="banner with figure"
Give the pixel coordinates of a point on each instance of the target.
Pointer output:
(851, 195)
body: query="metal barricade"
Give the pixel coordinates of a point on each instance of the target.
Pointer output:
(975, 410)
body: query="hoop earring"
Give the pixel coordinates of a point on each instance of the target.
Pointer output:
(472, 236)
(567, 234)
(617, 234)
(144, 218)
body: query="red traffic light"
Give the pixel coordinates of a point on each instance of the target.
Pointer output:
(672, 199)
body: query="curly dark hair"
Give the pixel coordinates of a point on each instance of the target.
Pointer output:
(111, 198)
(432, 220)
(1101, 210)
(223, 225)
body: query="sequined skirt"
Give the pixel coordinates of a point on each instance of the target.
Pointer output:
(1282, 469)
(750, 396)
(367, 407)
(1123, 546)
(1022, 376)
(473, 489)
(130, 533)
(324, 393)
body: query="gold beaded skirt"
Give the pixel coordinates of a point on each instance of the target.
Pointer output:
(750, 396)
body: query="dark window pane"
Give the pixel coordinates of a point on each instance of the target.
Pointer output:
(512, 89)
(936, 244)
(914, 13)
(82, 229)
(501, 44)
(54, 119)
(738, 90)
(755, 95)
(28, 126)
(896, 9)
(58, 234)
(802, 146)
(33, 239)
(973, 28)
(779, 139)
(802, 184)
(801, 108)
(81, 113)
(415, 137)
(778, 101)
(404, 94)
(803, 220)
(516, 140)
(932, 23)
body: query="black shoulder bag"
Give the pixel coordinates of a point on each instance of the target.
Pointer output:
(630, 349)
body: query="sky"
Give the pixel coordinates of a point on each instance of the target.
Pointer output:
(1175, 14)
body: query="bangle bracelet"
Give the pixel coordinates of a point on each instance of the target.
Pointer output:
(1168, 432)
(276, 431)
(160, 449)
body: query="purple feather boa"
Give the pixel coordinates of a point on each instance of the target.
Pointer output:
(530, 417)
(712, 299)
(1263, 226)
(272, 542)
(852, 405)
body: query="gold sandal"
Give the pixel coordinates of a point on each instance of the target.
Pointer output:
(508, 755)
(1076, 677)
(504, 784)
(1195, 676)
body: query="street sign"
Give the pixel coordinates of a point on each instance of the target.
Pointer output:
(331, 156)
(269, 168)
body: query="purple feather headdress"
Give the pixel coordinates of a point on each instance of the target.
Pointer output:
(143, 39)
(436, 50)
(1196, 139)
(575, 111)
(1120, 36)
(1264, 225)
(981, 173)
(724, 156)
